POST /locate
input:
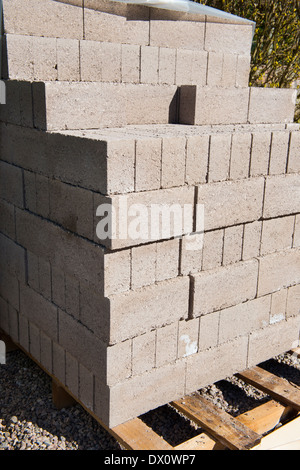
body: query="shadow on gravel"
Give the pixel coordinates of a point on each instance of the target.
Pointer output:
(233, 396)
(170, 425)
(283, 370)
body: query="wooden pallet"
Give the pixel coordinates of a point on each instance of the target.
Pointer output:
(274, 424)
(250, 430)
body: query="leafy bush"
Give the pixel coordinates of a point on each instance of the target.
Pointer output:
(276, 44)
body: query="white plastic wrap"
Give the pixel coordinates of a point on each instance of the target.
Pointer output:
(188, 6)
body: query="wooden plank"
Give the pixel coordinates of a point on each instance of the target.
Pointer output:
(276, 387)
(201, 442)
(136, 435)
(216, 422)
(266, 417)
(261, 419)
(286, 437)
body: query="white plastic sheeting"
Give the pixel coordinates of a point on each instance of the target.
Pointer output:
(188, 6)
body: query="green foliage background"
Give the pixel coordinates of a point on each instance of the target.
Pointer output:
(276, 44)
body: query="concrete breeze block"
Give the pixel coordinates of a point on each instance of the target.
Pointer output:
(293, 297)
(271, 105)
(190, 259)
(7, 219)
(130, 66)
(9, 289)
(191, 67)
(233, 38)
(117, 269)
(246, 318)
(177, 34)
(212, 249)
(45, 59)
(134, 390)
(143, 265)
(209, 331)
(167, 259)
(196, 165)
(278, 270)
(68, 59)
(260, 153)
(240, 155)
(148, 164)
(143, 353)
(251, 240)
(243, 70)
(163, 303)
(13, 317)
(233, 241)
(20, 60)
(219, 157)
(42, 58)
(136, 225)
(224, 287)
(13, 256)
(277, 234)
(72, 208)
(51, 19)
(214, 69)
(166, 344)
(173, 161)
(282, 195)
(279, 153)
(296, 238)
(293, 162)
(231, 202)
(90, 61)
(278, 306)
(229, 70)
(212, 105)
(31, 304)
(20, 110)
(188, 334)
(62, 249)
(211, 365)
(11, 184)
(167, 66)
(149, 64)
(116, 23)
(274, 340)
(101, 105)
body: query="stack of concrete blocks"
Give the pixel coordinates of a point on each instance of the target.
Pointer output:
(107, 100)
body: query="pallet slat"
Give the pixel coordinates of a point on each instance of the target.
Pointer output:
(285, 438)
(276, 387)
(224, 428)
(261, 419)
(136, 435)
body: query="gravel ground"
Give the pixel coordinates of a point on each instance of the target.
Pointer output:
(29, 421)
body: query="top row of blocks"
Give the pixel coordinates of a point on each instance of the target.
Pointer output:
(109, 21)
